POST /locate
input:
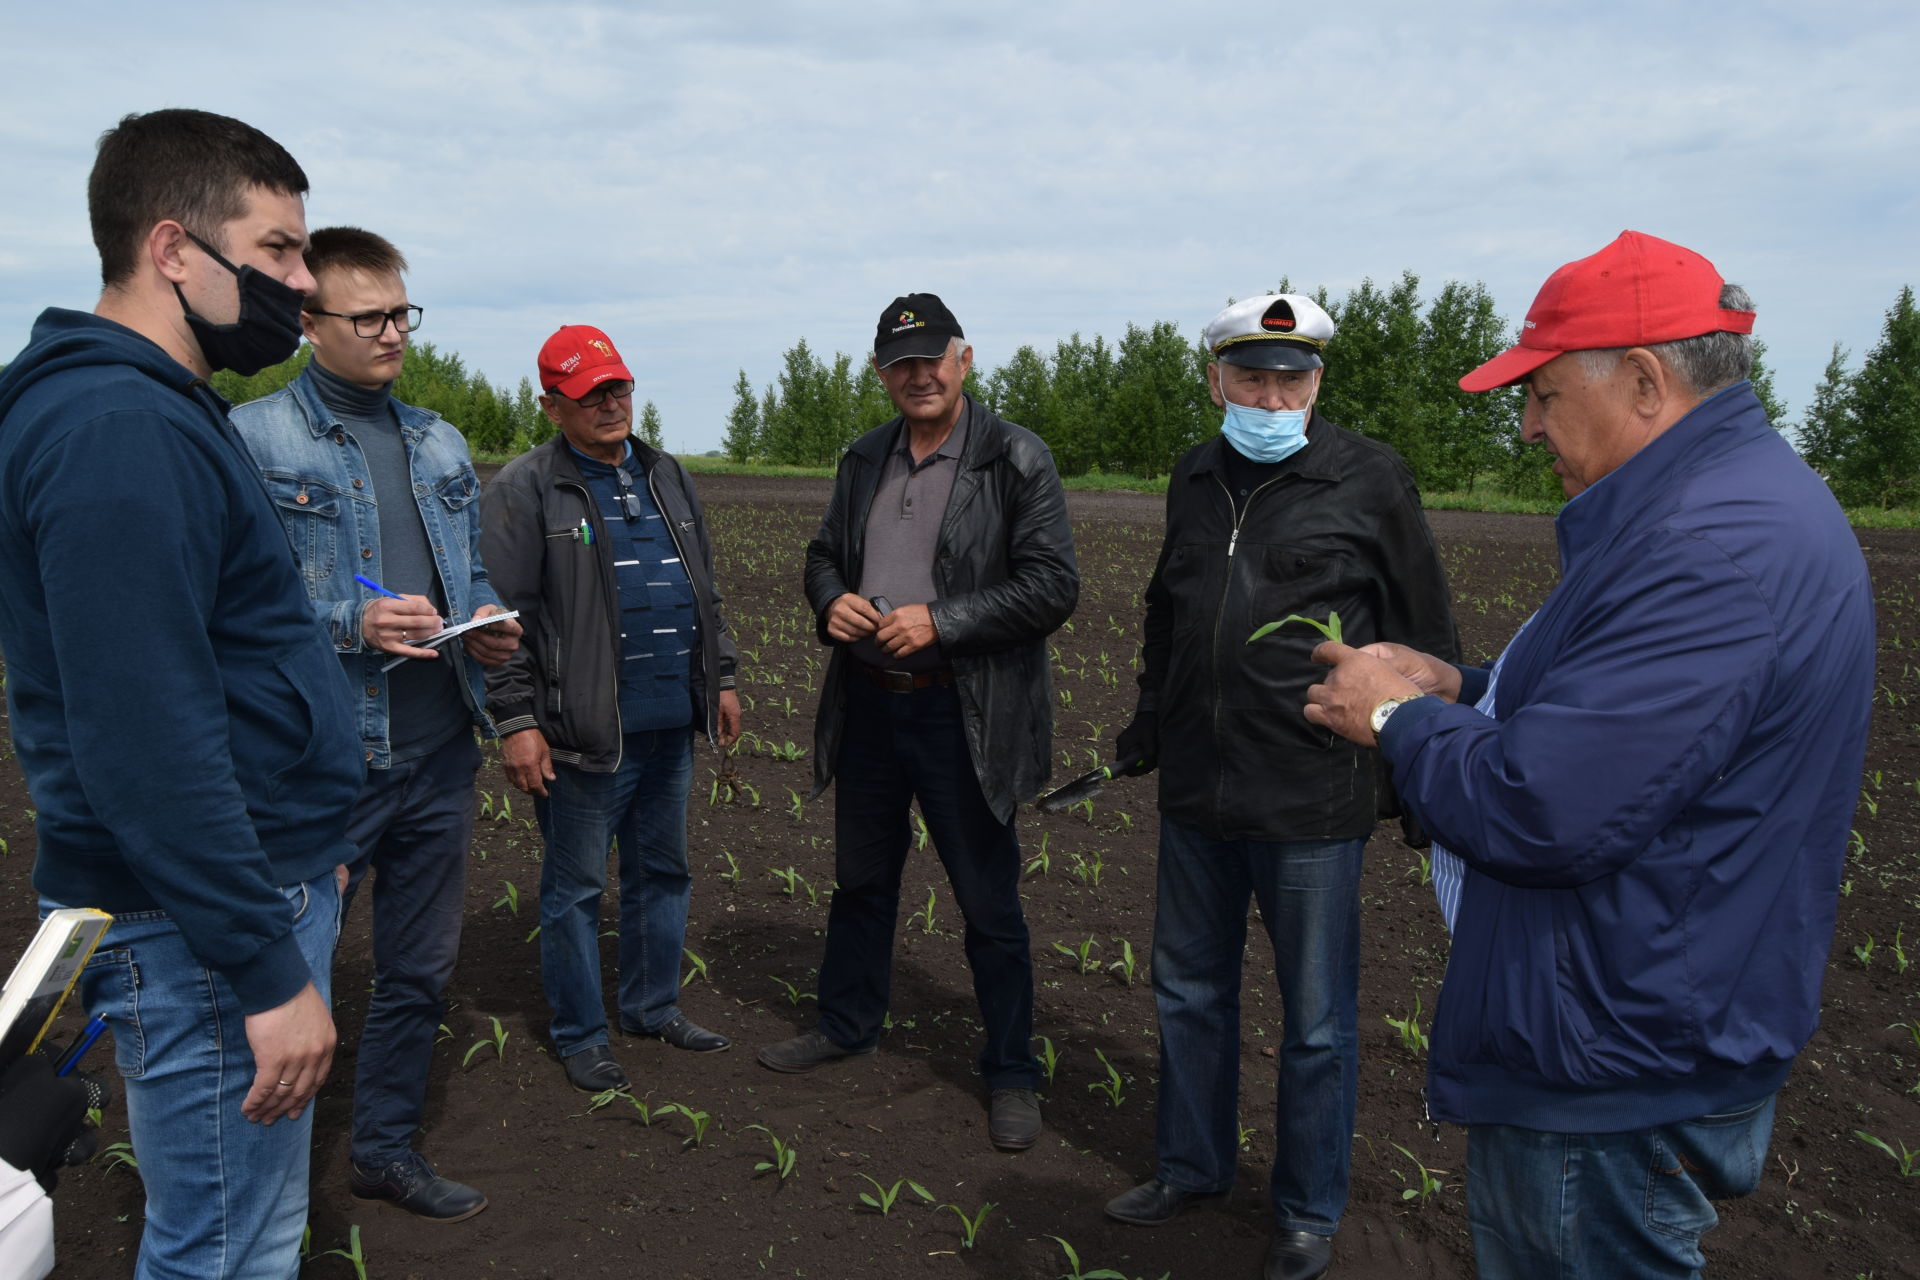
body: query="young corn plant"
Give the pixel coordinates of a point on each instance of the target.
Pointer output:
(509, 899)
(924, 915)
(784, 1154)
(1110, 1088)
(883, 1197)
(1124, 965)
(1080, 953)
(699, 969)
(498, 1040)
(353, 1253)
(733, 871)
(1050, 1057)
(1330, 628)
(794, 994)
(1864, 952)
(1412, 1038)
(1073, 1266)
(1908, 1161)
(1042, 861)
(970, 1227)
(789, 879)
(787, 752)
(119, 1155)
(1430, 1183)
(796, 806)
(1900, 961)
(698, 1119)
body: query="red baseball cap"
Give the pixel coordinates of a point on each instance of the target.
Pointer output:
(578, 358)
(1638, 291)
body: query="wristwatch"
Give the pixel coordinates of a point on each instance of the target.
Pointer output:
(1380, 713)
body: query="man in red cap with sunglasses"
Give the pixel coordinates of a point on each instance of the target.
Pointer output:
(1644, 803)
(599, 541)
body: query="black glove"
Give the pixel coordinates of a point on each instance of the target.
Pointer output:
(1138, 746)
(43, 1117)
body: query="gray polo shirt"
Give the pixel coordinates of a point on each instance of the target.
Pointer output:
(903, 532)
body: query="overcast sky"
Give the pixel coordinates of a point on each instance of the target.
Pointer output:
(710, 183)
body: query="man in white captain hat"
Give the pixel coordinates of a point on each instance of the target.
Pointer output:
(1282, 513)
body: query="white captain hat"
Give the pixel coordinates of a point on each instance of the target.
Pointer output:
(1271, 331)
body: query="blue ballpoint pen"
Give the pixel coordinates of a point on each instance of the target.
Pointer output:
(80, 1046)
(371, 585)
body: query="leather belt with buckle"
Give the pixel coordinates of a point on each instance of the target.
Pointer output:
(903, 681)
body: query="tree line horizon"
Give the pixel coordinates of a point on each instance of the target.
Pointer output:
(1133, 406)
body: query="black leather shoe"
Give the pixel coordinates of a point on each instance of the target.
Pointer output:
(683, 1033)
(1298, 1255)
(593, 1070)
(1153, 1202)
(411, 1184)
(1013, 1120)
(805, 1052)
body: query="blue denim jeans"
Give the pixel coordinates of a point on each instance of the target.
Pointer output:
(899, 747)
(1309, 896)
(411, 824)
(642, 808)
(226, 1197)
(1608, 1206)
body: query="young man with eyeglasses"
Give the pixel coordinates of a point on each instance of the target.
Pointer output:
(599, 541)
(331, 446)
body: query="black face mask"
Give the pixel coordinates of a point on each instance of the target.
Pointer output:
(267, 331)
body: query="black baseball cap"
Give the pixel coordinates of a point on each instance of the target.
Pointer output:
(917, 324)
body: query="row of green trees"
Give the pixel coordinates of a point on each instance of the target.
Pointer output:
(1134, 406)
(1862, 431)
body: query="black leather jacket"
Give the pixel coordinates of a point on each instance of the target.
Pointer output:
(1338, 529)
(564, 678)
(1006, 578)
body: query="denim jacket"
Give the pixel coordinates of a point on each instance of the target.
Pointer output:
(318, 478)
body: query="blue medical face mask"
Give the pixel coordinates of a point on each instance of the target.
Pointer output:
(1265, 435)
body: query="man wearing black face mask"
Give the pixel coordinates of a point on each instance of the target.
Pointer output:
(202, 795)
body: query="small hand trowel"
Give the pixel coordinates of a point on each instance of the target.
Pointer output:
(1084, 787)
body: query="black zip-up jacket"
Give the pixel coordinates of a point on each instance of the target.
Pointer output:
(564, 679)
(1338, 528)
(1006, 578)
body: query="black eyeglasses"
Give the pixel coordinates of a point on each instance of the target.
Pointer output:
(606, 390)
(629, 501)
(371, 324)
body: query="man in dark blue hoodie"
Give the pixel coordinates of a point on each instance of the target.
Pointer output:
(177, 711)
(1647, 797)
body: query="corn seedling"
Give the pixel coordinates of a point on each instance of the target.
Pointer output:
(1330, 628)
(970, 1227)
(353, 1253)
(1909, 1161)
(1081, 953)
(119, 1155)
(787, 752)
(1911, 1028)
(794, 994)
(1412, 1038)
(789, 879)
(698, 1119)
(920, 832)
(1042, 861)
(1087, 870)
(1050, 1057)
(1864, 952)
(1246, 1132)
(883, 1197)
(699, 969)
(784, 1154)
(1429, 1178)
(498, 1040)
(607, 1097)
(1110, 1088)
(733, 871)
(924, 915)
(1900, 960)
(1125, 963)
(1073, 1266)
(510, 899)
(1422, 870)
(796, 807)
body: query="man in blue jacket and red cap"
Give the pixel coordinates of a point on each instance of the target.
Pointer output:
(1644, 803)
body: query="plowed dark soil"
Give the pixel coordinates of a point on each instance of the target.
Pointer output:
(586, 1193)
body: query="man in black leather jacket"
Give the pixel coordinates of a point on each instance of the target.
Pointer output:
(1282, 514)
(942, 565)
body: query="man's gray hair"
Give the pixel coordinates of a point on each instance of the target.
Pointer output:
(1704, 364)
(955, 346)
